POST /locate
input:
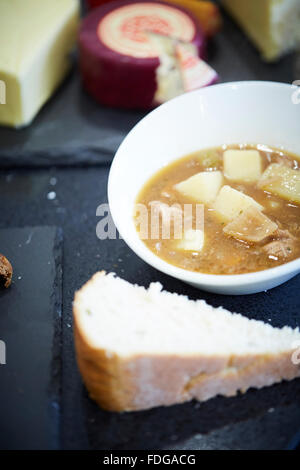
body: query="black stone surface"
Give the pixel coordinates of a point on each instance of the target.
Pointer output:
(265, 419)
(294, 444)
(30, 326)
(72, 129)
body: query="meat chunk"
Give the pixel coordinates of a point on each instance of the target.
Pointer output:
(284, 235)
(284, 161)
(6, 271)
(282, 246)
(278, 248)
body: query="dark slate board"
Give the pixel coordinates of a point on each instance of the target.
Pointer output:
(72, 129)
(294, 444)
(30, 326)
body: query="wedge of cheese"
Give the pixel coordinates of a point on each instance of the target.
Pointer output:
(195, 72)
(272, 25)
(36, 39)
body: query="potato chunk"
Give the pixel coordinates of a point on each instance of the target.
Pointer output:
(242, 165)
(281, 181)
(230, 203)
(192, 240)
(251, 225)
(202, 187)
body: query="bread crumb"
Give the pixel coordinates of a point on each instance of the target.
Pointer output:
(6, 271)
(51, 195)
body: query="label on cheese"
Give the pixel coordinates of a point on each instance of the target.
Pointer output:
(194, 71)
(125, 29)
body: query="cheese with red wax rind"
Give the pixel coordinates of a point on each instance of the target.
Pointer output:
(96, 3)
(118, 60)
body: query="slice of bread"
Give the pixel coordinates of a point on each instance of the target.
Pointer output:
(138, 348)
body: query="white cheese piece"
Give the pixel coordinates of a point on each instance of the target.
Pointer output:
(36, 39)
(230, 203)
(242, 165)
(202, 187)
(272, 25)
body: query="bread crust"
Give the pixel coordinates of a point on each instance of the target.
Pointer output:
(102, 373)
(141, 382)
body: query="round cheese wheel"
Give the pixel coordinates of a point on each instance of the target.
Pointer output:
(118, 59)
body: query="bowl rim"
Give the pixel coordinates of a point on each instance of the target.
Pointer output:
(193, 277)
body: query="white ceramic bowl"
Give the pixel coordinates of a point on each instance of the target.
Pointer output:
(241, 112)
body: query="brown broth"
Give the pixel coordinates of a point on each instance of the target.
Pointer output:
(222, 254)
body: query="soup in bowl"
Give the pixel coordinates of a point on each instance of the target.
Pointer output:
(221, 166)
(227, 210)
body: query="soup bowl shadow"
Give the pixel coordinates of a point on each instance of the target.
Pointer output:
(232, 113)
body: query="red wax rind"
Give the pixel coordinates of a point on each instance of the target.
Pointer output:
(96, 3)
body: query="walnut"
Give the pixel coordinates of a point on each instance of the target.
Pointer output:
(6, 271)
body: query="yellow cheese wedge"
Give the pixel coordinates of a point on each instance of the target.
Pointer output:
(272, 25)
(36, 39)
